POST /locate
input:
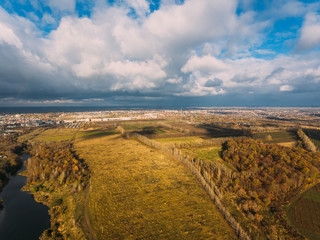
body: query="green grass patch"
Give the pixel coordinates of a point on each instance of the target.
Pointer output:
(304, 213)
(316, 142)
(209, 154)
(30, 135)
(276, 137)
(216, 132)
(152, 130)
(312, 195)
(94, 134)
(138, 125)
(55, 135)
(314, 135)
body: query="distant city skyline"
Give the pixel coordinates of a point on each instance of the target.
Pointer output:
(171, 53)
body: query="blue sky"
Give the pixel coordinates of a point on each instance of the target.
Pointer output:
(164, 52)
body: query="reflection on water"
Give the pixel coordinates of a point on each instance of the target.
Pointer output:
(22, 217)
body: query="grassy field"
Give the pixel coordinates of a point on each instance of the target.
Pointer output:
(304, 213)
(91, 134)
(180, 140)
(276, 137)
(210, 130)
(138, 125)
(30, 135)
(208, 154)
(152, 131)
(314, 135)
(205, 153)
(55, 135)
(316, 142)
(139, 193)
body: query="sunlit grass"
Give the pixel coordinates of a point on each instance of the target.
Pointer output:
(276, 137)
(139, 193)
(94, 134)
(180, 140)
(55, 135)
(30, 135)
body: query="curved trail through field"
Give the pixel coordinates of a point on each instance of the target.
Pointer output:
(92, 235)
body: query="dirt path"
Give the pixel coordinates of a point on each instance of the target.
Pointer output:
(92, 235)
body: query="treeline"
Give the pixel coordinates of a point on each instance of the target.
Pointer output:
(205, 173)
(56, 163)
(268, 175)
(58, 178)
(314, 135)
(10, 161)
(307, 143)
(264, 129)
(206, 143)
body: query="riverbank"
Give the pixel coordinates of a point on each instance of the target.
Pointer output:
(10, 161)
(22, 216)
(59, 180)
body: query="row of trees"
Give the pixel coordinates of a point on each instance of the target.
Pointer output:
(264, 176)
(204, 174)
(308, 144)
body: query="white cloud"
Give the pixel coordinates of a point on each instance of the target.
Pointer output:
(206, 63)
(8, 36)
(197, 48)
(175, 80)
(142, 74)
(113, 44)
(314, 73)
(177, 29)
(290, 8)
(141, 7)
(310, 32)
(47, 19)
(284, 73)
(265, 51)
(62, 5)
(286, 88)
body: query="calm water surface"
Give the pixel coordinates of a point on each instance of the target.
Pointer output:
(22, 217)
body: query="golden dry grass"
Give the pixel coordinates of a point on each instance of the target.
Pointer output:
(139, 193)
(180, 140)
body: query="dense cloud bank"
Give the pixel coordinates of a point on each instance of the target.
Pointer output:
(125, 51)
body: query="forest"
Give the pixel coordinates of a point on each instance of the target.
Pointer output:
(10, 160)
(57, 178)
(269, 176)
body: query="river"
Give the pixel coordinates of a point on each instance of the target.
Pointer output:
(22, 218)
